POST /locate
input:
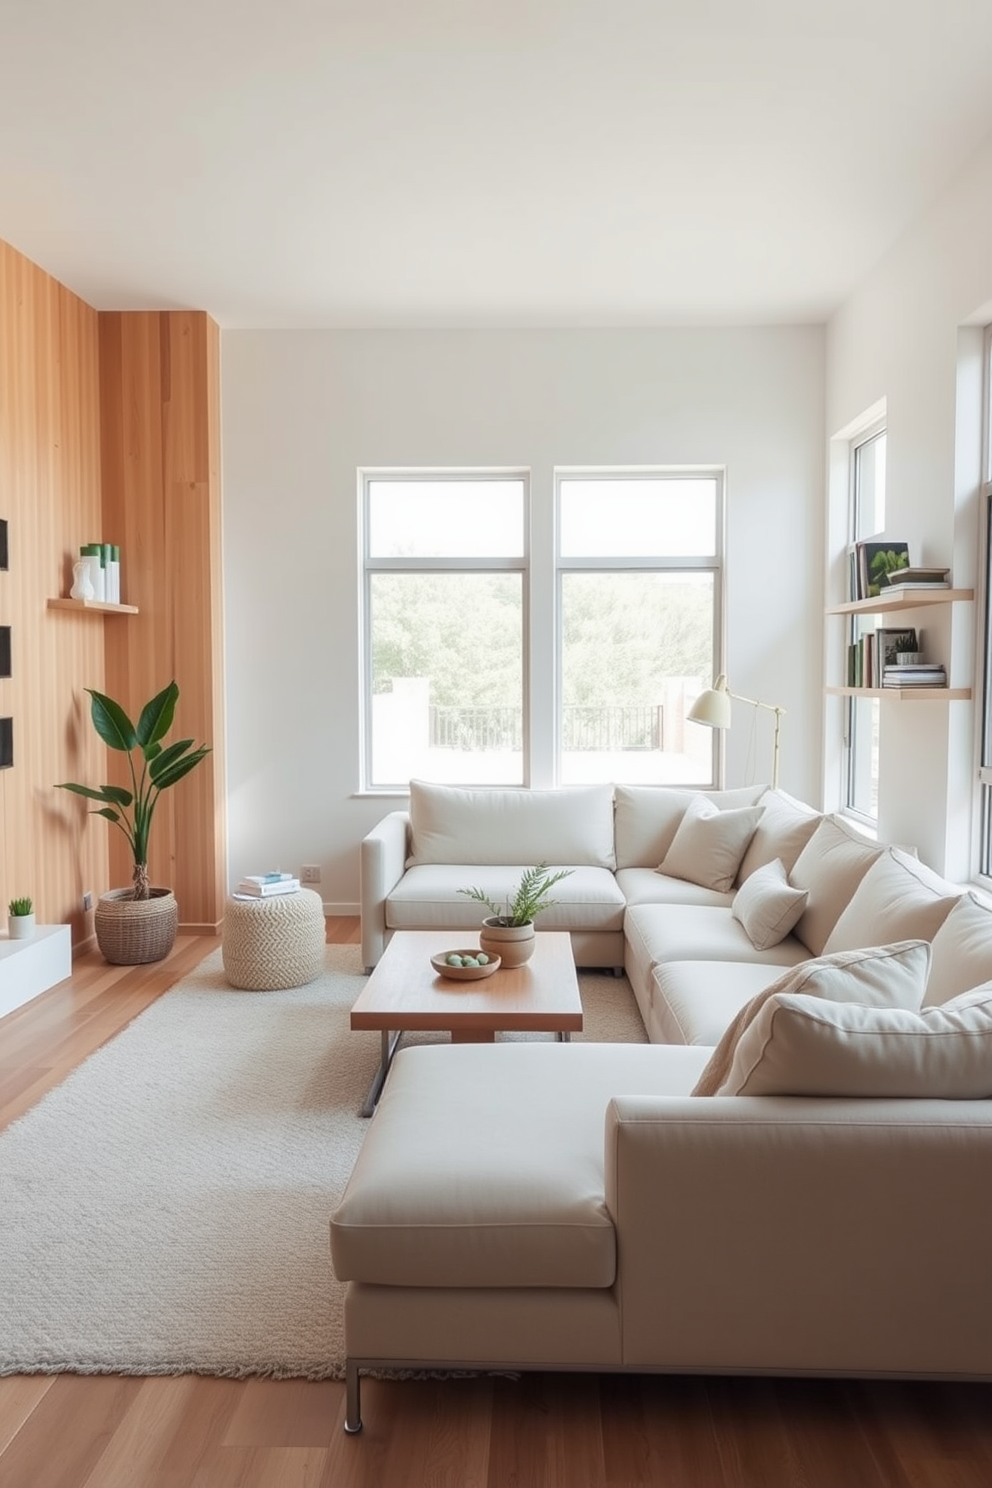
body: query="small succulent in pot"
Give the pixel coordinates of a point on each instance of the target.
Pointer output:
(18, 908)
(531, 896)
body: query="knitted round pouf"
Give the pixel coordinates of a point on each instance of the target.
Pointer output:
(275, 942)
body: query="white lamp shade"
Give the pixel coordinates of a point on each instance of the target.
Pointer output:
(712, 706)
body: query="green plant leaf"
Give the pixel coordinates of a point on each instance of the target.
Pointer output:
(117, 794)
(163, 758)
(156, 716)
(103, 794)
(166, 777)
(111, 722)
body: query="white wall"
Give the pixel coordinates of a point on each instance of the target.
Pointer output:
(903, 337)
(302, 411)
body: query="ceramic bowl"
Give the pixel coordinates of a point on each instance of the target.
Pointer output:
(463, 973)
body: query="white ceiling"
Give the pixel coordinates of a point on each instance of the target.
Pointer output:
(360, 163)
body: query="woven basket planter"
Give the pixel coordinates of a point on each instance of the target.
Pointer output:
(132, 931)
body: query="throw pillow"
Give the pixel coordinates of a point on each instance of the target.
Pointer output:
(898, 897)
(646, 818)
(767, 905)
(709, 844)
(805, 1046)
(783, 831)
(881, 976)
(962, 951)
(831, 865)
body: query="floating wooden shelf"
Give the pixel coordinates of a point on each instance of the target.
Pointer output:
(98, 606)
(884, 604)
(907, 694)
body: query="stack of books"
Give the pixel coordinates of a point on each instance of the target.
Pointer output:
(917, 578)
(264, 885)
(919, 674)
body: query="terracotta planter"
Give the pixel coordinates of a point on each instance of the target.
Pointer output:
(514, 944)
(130, 931)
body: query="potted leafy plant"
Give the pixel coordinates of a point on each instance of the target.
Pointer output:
(20, 919)
(508, 929)
(138, 924)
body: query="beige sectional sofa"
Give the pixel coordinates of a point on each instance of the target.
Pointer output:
(413, 863)
(791, 1178)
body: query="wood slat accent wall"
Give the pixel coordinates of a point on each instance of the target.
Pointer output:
(109, 429)
(50, 497)
(160, 420)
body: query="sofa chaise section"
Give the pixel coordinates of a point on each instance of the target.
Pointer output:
(694, 1234)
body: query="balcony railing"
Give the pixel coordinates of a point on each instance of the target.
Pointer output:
(584, 729)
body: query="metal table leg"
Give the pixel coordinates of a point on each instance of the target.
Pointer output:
(389, 1042)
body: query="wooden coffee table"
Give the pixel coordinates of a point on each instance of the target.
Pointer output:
(404, 992)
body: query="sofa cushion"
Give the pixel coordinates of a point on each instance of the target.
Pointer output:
(801, 1045)
(647, 818)
(899, 898)
(694, 932)
(962, 951)
(767, 905)
(785, 827)
(572, 825)
(709, 843)
(648, 886)
(512, 1193)
(882, 976)
(694, 1002)
(831, 865)
(428, 898)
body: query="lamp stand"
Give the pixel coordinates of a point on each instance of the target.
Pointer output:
(769, 708)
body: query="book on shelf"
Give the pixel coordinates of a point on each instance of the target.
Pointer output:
(911, 585)
(932, 675)
(250, 888)
(873, 562)
(918, 574)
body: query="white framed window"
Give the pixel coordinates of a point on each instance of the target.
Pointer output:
(867, 517)
(445, 601)
(639, 624)
(985, 594)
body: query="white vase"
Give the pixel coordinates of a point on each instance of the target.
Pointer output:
(20, 927)
(82, 587)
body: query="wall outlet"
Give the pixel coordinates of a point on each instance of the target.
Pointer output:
(87, 900)
(310, 873)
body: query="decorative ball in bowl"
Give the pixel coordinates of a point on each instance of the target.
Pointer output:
(465, 966)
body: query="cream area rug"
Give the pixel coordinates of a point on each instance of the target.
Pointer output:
(165, 1210)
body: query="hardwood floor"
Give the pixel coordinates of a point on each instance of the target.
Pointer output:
(538, 1431)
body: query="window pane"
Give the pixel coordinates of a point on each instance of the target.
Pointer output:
(638, 518)
(447, 678)
(863, 723)
(637, 648)
(446, 519)
(869, 487)
(863, 773)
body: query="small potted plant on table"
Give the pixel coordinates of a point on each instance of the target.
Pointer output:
(508, 929)
(20, 919)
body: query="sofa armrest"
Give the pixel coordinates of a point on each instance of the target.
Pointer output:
(383, 863)
(782, 1234)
